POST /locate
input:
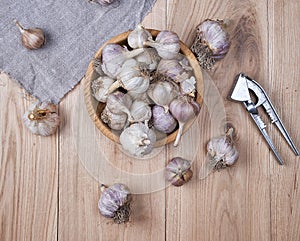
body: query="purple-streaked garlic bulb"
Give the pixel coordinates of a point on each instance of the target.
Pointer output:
(183, 109)
(173, 69)
(42, 118)
(138, 139)
(113, 57)
(138, 37)
(162, 93)
(163, 121)
(211, 42)
(178, 171)
(115, 202)
(166, 43)
(119, 103)
(222, 150)
(221, 153)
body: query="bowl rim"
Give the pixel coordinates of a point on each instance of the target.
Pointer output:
(89, 99)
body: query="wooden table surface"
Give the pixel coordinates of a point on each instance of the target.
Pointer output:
(46, 193)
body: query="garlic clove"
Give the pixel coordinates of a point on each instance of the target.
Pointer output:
(183, 109)
(31, 38)
(138, 139)
(115, 202)
(178, 171)
(138, 36)
(41, 118)
(100, 88)
(163, 121)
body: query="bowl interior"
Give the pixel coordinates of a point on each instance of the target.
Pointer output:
(94, 107)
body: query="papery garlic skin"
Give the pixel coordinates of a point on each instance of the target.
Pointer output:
(163, 93)
(42, 118)
(115, 202)
(163, 121)
(183, 109)
(178, 171)
(188, 86)
(31, 38)
(138, 36)
(114, 121)
(140, 111)
(119, 103)
(138, 139)
(100, 87)
(212, 42)
(166, 43)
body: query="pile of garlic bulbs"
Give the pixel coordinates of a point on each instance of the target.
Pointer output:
(147, 90)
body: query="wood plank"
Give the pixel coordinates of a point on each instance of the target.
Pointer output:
(79, 178)
(231, 204)
(284, 81)
(28, 172)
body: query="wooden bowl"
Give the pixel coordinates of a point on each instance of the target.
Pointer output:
(94, 107)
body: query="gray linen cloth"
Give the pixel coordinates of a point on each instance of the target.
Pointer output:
(74, 32)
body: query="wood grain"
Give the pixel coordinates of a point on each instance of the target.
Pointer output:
(49, 187)
(28, 173)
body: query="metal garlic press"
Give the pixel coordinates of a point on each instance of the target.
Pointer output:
(241, 92)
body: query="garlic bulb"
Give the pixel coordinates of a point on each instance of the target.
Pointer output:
(222, 150)
(31, 38)
(41, 118)
(166, 43)
(100, 87)
(119, 103)
(163, 121)
(138, 36)
(221, 153)
(140, 96)
(113, 57)
(138, 139)
(178, 171)
(183, 109)
(149, 57)
(131, 78)
(114, 121)
(140, 111)
(115, 202)
(211, 42)
(162, 93)
(173, 69)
